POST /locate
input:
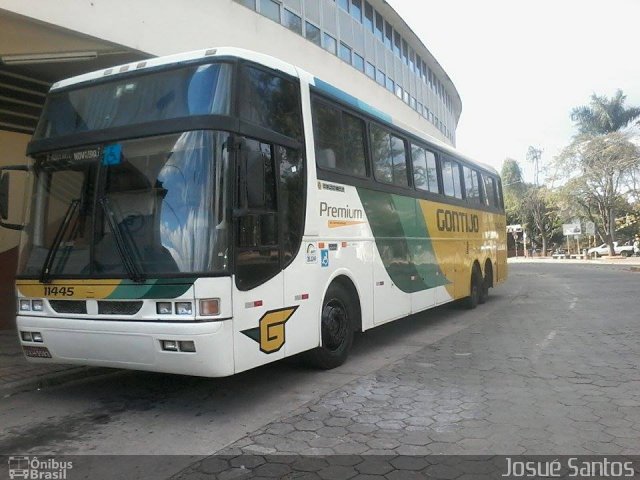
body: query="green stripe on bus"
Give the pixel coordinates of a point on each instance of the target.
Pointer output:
(402, 240)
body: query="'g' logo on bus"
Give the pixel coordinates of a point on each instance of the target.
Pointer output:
(270, 333)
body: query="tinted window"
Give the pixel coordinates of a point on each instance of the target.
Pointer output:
(358, 62)
(370, 70)
(163, 95)
(425, 174)
(471, 185)
(345, 53)
(292, 21)
(248, 3)
(356, 9)
(344, 4)
(389, 157)
(388, 39)
(451, 178)
(291, 200)
(313, 34)
(368, 17)
(340, 140)
(490, 197)
(330, 43)
(270, 9)
(379, 27)
(271, 102)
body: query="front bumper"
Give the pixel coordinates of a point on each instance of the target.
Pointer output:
(134, 345)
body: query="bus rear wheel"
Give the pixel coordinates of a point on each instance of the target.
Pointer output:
(475, 289)
(337, 329)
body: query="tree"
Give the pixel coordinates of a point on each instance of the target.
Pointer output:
(534, 155)
(541, 213)
(597, 169)
(604, 115)
(513, 188)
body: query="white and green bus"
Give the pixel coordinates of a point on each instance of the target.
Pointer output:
(210, 212)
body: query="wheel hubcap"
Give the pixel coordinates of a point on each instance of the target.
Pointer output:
(335, 323)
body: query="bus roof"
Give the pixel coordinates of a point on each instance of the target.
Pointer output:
(270, 62)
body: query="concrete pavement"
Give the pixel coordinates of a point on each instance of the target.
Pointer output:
(548, 365)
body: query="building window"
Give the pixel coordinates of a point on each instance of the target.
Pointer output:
(451, 178)
(358, 62)
(313, 34)
(356, 10)
(405, 52)
(412, 102)
(389, 157)
(388, 39)
(399, 91)
(344, 4)
(370, 70)
(390, 85)
(405, 97)
(397, 44)
(345, 53)
(270, 9)
(330, 44)
(412, 61)
(425, 174)
(420, 108)
(380, 77)
(379, 27)
(248, 3)
(292, 21)
(368, 17)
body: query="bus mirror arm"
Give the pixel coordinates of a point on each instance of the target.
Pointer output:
(4, 195)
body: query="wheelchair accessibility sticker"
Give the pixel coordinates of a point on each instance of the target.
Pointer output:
(324, 258)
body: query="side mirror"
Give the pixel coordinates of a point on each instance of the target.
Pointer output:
(5, 191)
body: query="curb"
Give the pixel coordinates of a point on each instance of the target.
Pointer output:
(53, 379)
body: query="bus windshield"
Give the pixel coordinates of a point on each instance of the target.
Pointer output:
(171, 94)
(137, 208)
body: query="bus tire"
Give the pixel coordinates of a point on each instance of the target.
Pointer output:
(337, 329)
(475, 289)
(487, 283)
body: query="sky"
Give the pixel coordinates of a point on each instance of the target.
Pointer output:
(520, 66)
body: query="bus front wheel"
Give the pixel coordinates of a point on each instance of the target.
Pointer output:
(337, 328)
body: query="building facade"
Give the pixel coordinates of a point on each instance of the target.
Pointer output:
(361, 46)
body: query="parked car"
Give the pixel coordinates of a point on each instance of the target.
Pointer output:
(623, 250)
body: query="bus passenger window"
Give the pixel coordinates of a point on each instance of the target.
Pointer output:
(489, 191)
(471, 185)
(327, 132)
(451, 178)
(389, 157)
(425, 174)
(354, 139)
(271, 102)
(340, 140)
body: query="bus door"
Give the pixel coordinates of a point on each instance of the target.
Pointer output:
(259, 281)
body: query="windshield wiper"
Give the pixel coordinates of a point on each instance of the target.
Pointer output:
(124, 248)
(45, 275)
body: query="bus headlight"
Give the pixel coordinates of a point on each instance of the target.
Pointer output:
(164, 308)
(184, 308)
(36, 305)
(25, 305)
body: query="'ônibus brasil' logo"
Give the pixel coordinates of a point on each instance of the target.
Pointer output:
(270, 330)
